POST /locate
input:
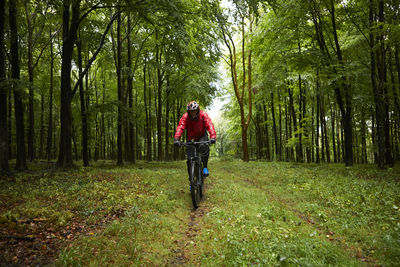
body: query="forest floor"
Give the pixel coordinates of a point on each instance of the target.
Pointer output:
(255, 213)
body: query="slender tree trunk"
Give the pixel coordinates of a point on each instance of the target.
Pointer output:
(397, 62)
(41, 140)
(103, 122)
(293, 114)
(31, 121)
(312, 133)
(10, 137)
(4, 153)
(147, 111)
(268, 151)
(333, 134)
(363, 139)
(299, 148)
(119, 80)
(132, 150)
(280, 125)
(50, 118)
(274, 127)
(287, 121)
(321, 120)
(83, 108)
(159, 95)
(338, 131)
(15, 74)
(97, 126)
(393, 82)
(167, 109)
(327, 149)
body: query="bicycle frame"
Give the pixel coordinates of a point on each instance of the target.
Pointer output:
(195, 172)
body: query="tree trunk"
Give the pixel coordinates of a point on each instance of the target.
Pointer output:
(268, 151)
(69, 37)
(50, 119)
(147, 111)
(294, 119)
(10, 146)
(363, 139)
(274, 127)
(159, 95)
(333, 134)
(119, 81)
(31, 121)
(4, 153)
(167, 109)
(15, 74)
(83, 108)
(132, 150)
(280, 125)
(325, 136)
(41, 140)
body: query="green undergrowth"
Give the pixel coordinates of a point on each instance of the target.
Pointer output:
(306, 214)
(255, 213)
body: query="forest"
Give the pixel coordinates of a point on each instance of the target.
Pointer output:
(305, 81)
(304, 96)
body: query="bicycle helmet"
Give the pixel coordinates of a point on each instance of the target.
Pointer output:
(192, 105)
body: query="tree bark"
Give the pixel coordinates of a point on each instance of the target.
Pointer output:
(167, 109)
(299, 148)
(4, 167)
(317, 158)
(15, 75)
(119, 81)
(70, 29)
(274, 126)
(83, 108)
(267, 146)
(41, 134)
(50, 118)
(132, 150)
(159, 96)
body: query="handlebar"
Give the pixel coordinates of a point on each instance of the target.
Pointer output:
(191, 143)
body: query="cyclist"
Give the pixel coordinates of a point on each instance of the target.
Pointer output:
(196, 122)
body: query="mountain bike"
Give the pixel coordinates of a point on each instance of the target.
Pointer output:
(196, 172)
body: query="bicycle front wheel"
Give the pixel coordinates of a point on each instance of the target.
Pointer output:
(194, 184)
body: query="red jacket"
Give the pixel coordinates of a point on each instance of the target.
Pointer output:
(195, 128)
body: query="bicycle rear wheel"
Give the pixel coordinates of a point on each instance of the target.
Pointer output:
(194, 184)
(201, 181)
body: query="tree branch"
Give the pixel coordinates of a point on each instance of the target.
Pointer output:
(93, 58)
(44, 47)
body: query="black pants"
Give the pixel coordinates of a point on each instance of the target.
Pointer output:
(203, 149)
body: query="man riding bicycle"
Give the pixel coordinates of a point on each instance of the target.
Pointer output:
(196, 122)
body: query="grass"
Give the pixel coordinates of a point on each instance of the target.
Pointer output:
(255, 213)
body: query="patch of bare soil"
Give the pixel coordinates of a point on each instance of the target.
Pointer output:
(36, 243)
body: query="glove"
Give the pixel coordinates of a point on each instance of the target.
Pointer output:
(212, 140)
(177, 142)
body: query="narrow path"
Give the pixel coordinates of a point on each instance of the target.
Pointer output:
(328, 234)
(191, 228)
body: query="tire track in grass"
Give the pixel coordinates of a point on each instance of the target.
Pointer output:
(183, 251)
(328, 234)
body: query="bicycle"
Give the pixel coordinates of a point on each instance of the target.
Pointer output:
(196, 176)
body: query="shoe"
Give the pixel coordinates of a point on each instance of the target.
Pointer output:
(206, 172)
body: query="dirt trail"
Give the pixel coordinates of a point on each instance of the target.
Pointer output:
(192, 226)
(328, 234)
